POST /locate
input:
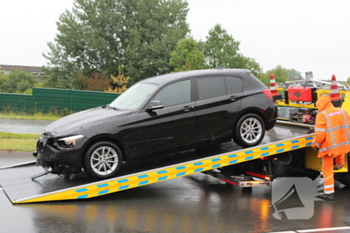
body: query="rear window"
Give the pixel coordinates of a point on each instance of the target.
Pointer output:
(211, 87)
(233, 85)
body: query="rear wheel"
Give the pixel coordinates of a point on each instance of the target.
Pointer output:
(103, 160)
(249, 130)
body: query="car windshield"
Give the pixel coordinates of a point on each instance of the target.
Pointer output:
(132, 98)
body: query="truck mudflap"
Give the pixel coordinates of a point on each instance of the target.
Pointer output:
(19, 187)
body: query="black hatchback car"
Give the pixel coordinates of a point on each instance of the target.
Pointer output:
(167, 112)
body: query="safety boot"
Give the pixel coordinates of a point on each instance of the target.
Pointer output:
(327, 197)
(335, 167)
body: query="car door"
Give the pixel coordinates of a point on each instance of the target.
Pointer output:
(173, 125)
(218, 100)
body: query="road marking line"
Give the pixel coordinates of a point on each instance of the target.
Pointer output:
(315, 230)
(283, 232)
(325, 229)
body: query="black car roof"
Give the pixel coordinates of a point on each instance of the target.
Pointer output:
(166, 78)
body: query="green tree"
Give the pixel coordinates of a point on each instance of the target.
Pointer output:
(221, 49)
(282, 75)
(3, 78)
(119, 83)
(347, 84)
(102, 35)
(265, 78)
(252, 65)
(95, 82)
(293, 74)
(18, 81)
(187, 56)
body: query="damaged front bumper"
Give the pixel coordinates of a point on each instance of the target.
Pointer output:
(57, 160)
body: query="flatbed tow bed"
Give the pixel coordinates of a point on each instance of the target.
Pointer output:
(20, 188)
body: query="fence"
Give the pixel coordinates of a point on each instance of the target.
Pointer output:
(49, 100)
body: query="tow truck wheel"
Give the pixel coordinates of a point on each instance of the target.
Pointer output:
(249, 130)
(103, 160)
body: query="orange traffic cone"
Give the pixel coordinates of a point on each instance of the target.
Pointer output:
(273, 88)
(335, 95)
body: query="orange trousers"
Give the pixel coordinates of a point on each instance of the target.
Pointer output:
(327, 171)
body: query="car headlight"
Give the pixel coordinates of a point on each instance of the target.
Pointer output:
(68, 142)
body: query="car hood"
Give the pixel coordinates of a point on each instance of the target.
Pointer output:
(82, 122)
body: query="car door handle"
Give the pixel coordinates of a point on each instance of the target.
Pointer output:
(235, 97)
(188, 108)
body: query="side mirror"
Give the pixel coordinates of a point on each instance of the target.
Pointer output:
(154, 105)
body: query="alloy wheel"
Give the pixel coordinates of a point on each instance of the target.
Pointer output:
(251, 130)
(104, 160)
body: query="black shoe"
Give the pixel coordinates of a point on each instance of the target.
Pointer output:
(327, 197)
(335, 168)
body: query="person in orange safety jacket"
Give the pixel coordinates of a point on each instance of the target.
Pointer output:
(332, 140)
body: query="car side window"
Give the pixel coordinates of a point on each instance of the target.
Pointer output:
(175, 93)
(211, 87)
(233, 85)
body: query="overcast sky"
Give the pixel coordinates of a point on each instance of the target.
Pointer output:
(305, 35)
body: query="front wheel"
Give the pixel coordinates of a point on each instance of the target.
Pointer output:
(249, 130)
(103, 160)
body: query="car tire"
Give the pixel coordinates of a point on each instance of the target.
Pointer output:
(249, 130)
(103, 160)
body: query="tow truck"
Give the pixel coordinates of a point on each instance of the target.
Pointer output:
(285, 150)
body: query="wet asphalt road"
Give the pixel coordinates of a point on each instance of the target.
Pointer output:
(195, 203)
(22, 126)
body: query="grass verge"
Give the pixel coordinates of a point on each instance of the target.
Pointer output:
(18, 141)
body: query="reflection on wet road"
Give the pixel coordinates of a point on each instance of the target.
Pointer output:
(197, 203)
